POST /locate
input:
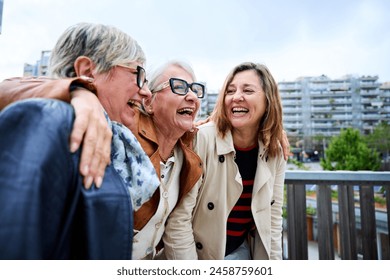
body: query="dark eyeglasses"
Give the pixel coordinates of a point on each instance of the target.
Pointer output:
(181, 87)
(141, 74)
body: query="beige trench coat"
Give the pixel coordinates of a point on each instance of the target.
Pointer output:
(197, 227)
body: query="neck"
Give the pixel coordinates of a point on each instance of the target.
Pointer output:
(244, 139)
(166, 144)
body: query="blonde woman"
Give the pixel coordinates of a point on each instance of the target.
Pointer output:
(235, 211)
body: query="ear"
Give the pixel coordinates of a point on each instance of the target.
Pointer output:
(147, 103)
(84, 66)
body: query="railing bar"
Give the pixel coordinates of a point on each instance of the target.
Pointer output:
(347, 223)
(325, 223)
(342, 177)
(296, 223)
(291, 245)
(387, 190)
(367, 208)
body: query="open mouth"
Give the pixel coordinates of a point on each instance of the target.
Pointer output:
(134, 103)
(239, 110)
(186, 111)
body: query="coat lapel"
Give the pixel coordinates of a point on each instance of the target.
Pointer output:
(263, 172)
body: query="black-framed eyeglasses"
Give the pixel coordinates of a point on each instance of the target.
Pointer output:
(140, 72)
(181, 87)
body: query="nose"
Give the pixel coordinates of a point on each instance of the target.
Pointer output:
(238, 96)
(145, 91)
(191, 95)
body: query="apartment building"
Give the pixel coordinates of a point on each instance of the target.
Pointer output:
(320, 106)
(40, 68)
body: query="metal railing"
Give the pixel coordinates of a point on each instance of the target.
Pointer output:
(351, 220)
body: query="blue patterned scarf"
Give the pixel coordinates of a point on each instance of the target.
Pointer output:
(132, 164)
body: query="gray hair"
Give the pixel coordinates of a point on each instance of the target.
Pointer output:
(153, 82)
(105, 45)
(153, 78)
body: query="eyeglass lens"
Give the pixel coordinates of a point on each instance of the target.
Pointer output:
(181, 87)
(141, 76)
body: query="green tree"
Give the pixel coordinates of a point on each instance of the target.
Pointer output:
(379, 139)
(349, 151)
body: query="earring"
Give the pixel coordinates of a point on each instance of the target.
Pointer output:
(88, 79)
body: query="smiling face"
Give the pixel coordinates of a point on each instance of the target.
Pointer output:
(245, 101)
(120, 94)
(174, 114)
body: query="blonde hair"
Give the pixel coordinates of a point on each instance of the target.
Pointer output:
(271, 125)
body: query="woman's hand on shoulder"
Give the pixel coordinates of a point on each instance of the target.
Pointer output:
(285, 145)
(90, 128)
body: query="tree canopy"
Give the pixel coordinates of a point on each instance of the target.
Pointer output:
(379, 139)
(349, 151)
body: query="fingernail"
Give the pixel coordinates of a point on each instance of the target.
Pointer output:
(73, 147)
(88, 182)
(98, 182)
(85, 170)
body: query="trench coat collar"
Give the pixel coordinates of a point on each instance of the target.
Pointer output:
(225, 146)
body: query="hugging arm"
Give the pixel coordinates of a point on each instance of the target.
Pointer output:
(285, 145)
(90, 126)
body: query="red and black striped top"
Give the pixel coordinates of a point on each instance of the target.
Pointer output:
(240, 219)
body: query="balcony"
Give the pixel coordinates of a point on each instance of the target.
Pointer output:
(369, 85)
(351, 225)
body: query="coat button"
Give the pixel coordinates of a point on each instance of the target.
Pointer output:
(221, 158)
(199, 245)
(210, 205)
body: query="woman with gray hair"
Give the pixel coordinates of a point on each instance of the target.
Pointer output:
(46, 211)
(165, 131)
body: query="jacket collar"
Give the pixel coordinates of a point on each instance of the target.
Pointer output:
(146, 127)
(226, 146)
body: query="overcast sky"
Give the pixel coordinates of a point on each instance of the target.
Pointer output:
(293, 38)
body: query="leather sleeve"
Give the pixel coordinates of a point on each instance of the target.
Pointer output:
(15, 89)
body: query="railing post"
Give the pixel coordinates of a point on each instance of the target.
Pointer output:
(387, 190)
(367, 212)
(296, 222)
(347, 223)
(325, 223)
